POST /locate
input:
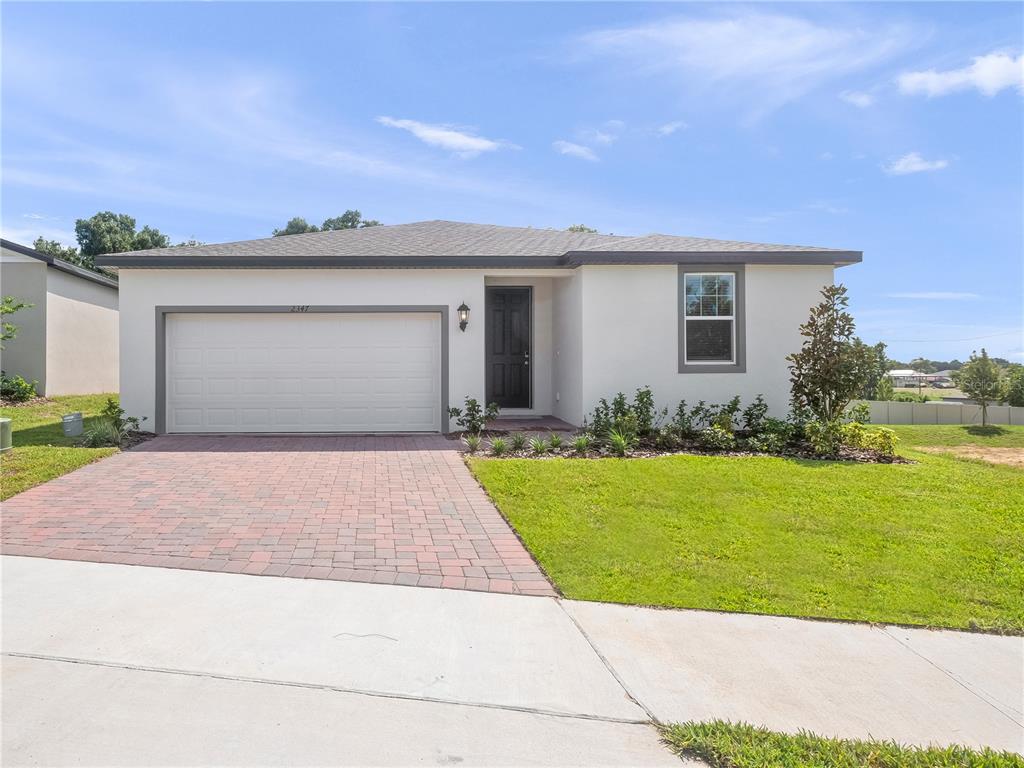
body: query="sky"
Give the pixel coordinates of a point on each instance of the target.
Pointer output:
(896, 130)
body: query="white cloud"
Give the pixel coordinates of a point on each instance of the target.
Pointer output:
(857, 98)
(575, 150)
(447, 137)
(669, 128)
(935, 295)
(36, 216)
(988, 74)
(763, 60)
(912, 162)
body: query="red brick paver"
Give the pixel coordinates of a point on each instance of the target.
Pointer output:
(382, 509)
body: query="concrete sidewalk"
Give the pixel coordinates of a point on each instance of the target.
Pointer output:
(113, 664)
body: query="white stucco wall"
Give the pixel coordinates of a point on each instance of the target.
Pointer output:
(567, 348)
(82, 335)
(142, 290)
(630, 334)
(24, 278)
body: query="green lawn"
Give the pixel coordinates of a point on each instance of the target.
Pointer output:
(993, 435)
(935, 543)
(41, 452)
(738, 745)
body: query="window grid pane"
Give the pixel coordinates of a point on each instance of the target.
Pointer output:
(709, 295)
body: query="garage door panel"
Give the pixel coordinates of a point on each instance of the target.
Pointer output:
(316, 372)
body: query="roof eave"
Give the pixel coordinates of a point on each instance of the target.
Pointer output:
(60, 264)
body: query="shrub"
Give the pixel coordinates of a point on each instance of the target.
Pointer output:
(555, 441)
(882, 440)
(601, 420)
(472, 442)
(754, 415)
(101, 432)
(472, 418)
(825, 437)
(909, 397)
(498, 446)
(725, 415)
(667, 438)
(643, 409)
(715, 438)
(518, 441)
(702, 415)
(682, 421)
(538, 446)
(123, 424)
(860, 412)
(619, 442)
(15, 389)
(766, 442)
(581, 444)
(854, 434)
(779, 428)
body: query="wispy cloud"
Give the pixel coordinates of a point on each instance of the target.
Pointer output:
(857, 98)
(912, 162)
(667, 129)
(460, 141)
(575, 150)
(987, 74)
(765, 59)
(934, 295)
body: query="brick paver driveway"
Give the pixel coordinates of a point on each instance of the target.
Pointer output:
(393, 510)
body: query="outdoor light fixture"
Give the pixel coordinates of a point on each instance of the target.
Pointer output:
(463, 311)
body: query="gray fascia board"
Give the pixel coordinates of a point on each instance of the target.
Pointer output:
(571, 259)
(60, 264)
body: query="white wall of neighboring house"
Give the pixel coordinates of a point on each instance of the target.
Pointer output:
(567, 351)
(81, 335)
(24, 278)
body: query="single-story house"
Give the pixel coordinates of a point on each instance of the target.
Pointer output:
(381, 329)
(67, 340)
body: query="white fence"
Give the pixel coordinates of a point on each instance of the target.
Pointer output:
(941, 413)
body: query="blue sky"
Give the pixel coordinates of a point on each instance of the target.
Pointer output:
(893, 129)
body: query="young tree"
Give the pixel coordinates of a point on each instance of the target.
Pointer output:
(880, 365)
(55, 249)
(296, 226)
(8, 306)
(981, 381)
(1013, 392)
(832, 365)
(884, 390)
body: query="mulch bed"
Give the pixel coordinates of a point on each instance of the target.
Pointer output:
(24, 403)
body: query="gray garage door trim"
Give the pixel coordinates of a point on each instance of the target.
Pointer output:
(161, 340)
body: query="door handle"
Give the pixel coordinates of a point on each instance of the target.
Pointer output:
(526, 358)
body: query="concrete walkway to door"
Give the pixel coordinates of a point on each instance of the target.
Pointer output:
(384, 509)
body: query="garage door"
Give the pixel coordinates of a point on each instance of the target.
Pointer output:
(303, 372)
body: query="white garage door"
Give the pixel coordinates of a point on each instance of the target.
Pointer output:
(303, 372)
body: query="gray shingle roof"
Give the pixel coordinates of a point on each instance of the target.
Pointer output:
(442, 243)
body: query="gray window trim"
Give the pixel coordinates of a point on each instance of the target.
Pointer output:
(739, 315)
(161, 340)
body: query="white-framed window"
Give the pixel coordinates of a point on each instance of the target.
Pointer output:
(709, 318)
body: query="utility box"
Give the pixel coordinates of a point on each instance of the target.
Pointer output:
(5, 435)
(72, 424)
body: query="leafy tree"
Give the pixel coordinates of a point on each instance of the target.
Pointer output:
(349, 220)
(55, 249)
(148, 237)
(880, 365)
(832, 365)
(981, 381)
(296, 226)
(580, 228)
(884, 390)
(8, 306)
(109, 232)
(1013, 391)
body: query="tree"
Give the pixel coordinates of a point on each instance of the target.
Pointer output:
(580, 228)
(189, 244)
(980, 380)
(880, 365)
(1013, 390)
(55, 249)
(109, 232)
(884, 390)
(8, 306)
(349, 220)
(296, 226)
(832, 365)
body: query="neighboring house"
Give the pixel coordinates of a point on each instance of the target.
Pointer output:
(359, 330)
(67, 339)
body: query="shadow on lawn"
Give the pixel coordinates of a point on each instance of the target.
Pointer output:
(49, 434)
(989, 430)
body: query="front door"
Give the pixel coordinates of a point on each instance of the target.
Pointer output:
(508, 347)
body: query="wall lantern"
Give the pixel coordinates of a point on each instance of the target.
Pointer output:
(463, 311)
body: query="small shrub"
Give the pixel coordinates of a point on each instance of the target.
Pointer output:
(102, 432)
(783, 430)
(667, 439)
(754, 415)
(626, 425)
(472, 442)
(581, 444)
(882, 440)
(909, 397)
(682, 421)
(715, 438)
(15, 389)
(825, 437)
(725, 415)
(555, 441)
(860, 412)
(538, 446)
(498, 446)
(472, 417)
(601, 420)
(123, 424)
(619, 443)
(854, 434)
(766, 442)
(518, 441)
(702, 415)
(643, 409)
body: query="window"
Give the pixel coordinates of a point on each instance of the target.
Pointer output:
(710, 321)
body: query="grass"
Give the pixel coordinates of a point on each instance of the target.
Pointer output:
(935, 543)
(931, 392)
(41, 451)
(738, 745)
(993, 435)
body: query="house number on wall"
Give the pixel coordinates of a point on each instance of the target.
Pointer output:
(300, 308)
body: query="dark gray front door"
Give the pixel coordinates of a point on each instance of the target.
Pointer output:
(508, 347)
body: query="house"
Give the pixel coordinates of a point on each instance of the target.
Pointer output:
(381, 329)
(905, 377)
(67, 340)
